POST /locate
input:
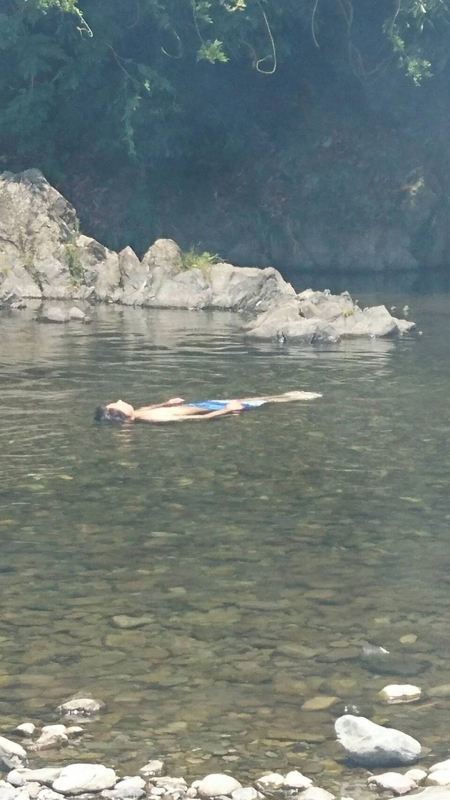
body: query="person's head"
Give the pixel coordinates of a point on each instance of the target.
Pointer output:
(110, 414)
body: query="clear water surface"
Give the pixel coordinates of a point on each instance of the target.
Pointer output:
(262, 551)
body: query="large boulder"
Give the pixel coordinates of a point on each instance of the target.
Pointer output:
(36, 225)
(247, 288)
(372, 745)
(320, 316)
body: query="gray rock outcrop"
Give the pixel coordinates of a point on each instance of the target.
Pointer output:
(322, 317)
(372, 745)
(43, 255)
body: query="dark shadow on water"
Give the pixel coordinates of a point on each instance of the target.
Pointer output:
(411, 282)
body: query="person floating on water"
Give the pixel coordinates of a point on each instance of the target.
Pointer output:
(177, 410)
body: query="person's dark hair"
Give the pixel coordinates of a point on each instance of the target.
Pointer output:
(105, 414)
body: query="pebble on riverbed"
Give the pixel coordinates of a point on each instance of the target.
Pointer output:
(80, 707)
(398, 693)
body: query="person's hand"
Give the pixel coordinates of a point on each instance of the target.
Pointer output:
(235, 406)
(175, 401)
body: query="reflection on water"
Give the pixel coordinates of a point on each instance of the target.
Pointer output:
(263, 550)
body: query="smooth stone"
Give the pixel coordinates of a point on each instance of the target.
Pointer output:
(372, 745)
(393, 781)
(400, 693)
(438, 777)
(12, 754)
(319, 703)
(126, 793)
(245, 793)
(295, 780)
(152, 769)
(217, 784)
(433, 793)
(271, 782)
(33, 788)
(409, 638)
(128, 623)
(416, 774)
(134, 782)
(74, 730)
(49, 794)
(51, 736)
(15, 778)
(44, 775)
(78, 778)
(27, 728)
(440, 765)
(80, 707)
(8, 793)
(315, 793)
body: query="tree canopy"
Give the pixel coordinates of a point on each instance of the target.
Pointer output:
(114, 82)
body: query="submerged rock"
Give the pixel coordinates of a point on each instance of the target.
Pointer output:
(80, 707)
(373, 745)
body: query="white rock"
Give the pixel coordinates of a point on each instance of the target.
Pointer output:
(439, 777)
(393, 781)
(153, 768)
(315, 793)
(216, 784)
(135, 782)
(191, 792)
(433, 793)
(245, 793)
(79, 778)
(49, 794)
(271, 782)
(440, 765)
(33, 788)
(295, 780)
(12, 754)
(80, 707)
(417, 775)
(44, 775)
(22, 794)
(27, 728)
(373, 745)
(400, 693)
(15, 778)
(51, 736)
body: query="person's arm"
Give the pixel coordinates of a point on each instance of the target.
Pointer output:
(174, 401)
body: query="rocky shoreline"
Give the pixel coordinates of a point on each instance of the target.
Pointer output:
(44, 257)
(363, 743)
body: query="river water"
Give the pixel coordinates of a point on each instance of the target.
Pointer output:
(263, 551)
